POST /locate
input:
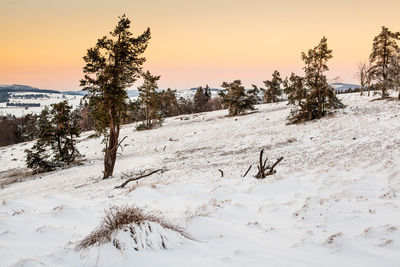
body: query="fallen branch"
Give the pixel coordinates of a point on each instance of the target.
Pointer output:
(137, 178)
(222, 173)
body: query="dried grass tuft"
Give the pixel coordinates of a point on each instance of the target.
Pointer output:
(116, 218)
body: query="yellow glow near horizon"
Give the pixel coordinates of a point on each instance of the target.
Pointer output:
(193, 42)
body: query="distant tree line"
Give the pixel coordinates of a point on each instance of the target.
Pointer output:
(31, 96)
(15, 104)
(15, 130)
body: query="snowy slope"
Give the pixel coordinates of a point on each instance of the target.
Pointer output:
(333, 202)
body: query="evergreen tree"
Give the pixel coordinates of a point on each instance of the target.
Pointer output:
(384, 50)
(150, 101)
(273, 88)
(207, 92)
(37, 158)
(235, 98)
(169, 103)
(57, 130)
(294, 88)
(64, 131)
(200, 100)
(318, 96)
(186, 106)
(394, 72)
(112, 66)
(253, 95)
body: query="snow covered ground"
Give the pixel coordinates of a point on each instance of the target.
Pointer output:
(334, 201)
(5, 110)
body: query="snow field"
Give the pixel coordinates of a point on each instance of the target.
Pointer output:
(333, 201)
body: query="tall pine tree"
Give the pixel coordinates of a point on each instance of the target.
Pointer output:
(112, 66)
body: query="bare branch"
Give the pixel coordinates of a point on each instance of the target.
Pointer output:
(247, 171)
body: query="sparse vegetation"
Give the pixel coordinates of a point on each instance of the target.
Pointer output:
(116, 218)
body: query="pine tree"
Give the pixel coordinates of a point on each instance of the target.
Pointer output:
(169, 103)
(112, 66)
(37, 159)
(273, 88)
(384, 50)
(64, 131)
(318, 96)
(394, 72)
(253, 95)
(200, 100)
(186, 106)
(150, 101)
(235, 98)
(55, 146)
(207, 92)
(294, 88)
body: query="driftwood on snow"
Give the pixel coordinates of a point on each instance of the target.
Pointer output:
(263, 169)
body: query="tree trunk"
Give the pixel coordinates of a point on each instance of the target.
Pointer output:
(110, 154)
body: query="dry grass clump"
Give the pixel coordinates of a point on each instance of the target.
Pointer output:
(116, 218)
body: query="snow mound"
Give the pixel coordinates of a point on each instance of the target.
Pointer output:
(146, 236)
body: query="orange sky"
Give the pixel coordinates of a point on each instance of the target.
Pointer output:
(193, 42)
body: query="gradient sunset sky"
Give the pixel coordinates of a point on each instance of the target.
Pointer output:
(193, 42)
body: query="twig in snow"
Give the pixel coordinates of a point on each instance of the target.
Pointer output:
(247, 171)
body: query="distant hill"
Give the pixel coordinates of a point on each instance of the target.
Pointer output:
(25, 88)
